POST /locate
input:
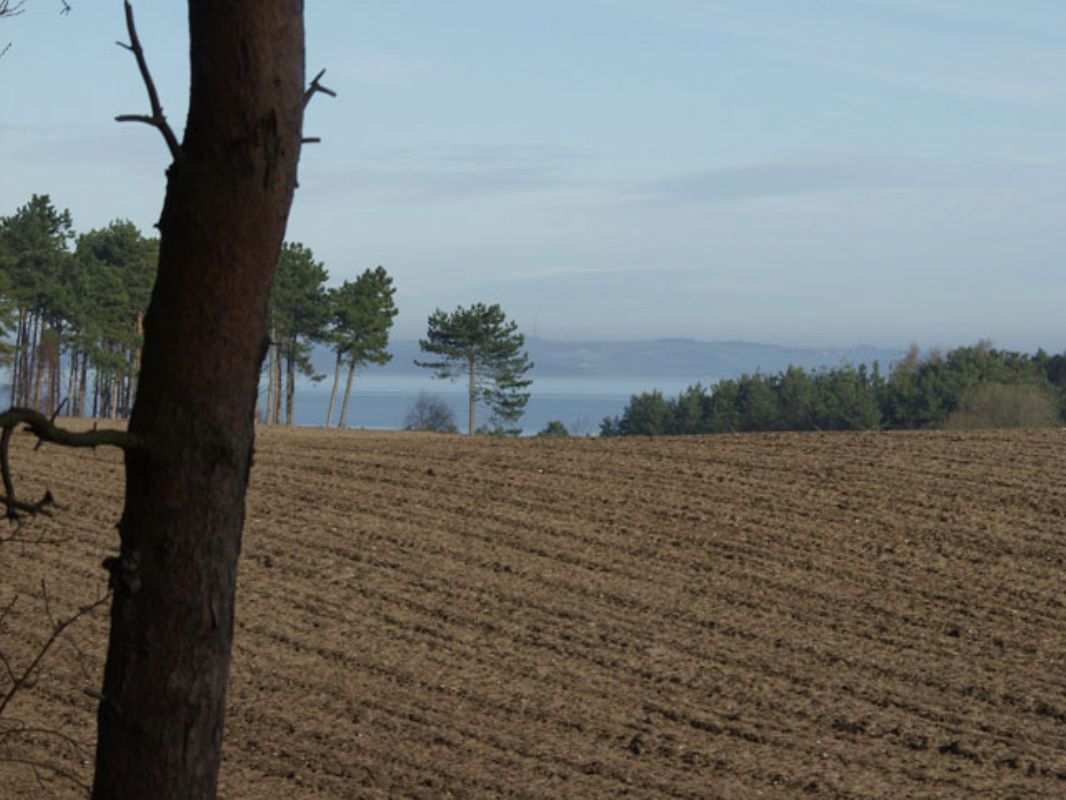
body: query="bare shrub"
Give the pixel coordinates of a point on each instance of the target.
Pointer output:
(430, 414)
(1002, 405)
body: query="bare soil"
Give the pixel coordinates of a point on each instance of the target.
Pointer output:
(423, 616)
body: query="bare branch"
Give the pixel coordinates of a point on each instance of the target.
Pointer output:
(316, 87)
(10, 9)
(57, 631)
(156, 119)
(54, 769)
(45, 430)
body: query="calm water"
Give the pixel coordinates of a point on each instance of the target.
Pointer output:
(382, 402)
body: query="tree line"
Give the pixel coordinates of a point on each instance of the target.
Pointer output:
(72, 310)
(976, 386)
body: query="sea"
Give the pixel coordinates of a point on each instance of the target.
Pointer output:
(380, 402)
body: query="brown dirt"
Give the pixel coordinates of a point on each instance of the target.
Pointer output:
(855, 615)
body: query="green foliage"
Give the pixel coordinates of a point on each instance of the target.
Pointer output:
(110, 286)
(298, 312)
(34, 253)
(555, 430)
(480, 344)
(361, 315)
(430, 413)
(970, 386)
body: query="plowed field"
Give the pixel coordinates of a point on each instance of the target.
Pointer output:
(859, 616)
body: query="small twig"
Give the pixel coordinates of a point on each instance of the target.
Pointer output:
(57, 631)
(316, 87)
(156, 119)
(10, 9)
(56, 770)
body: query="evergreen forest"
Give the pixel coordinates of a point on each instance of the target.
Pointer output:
(969, 387)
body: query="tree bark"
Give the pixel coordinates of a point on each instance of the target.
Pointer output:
(227, 201)
(333, 394)
(347, 394)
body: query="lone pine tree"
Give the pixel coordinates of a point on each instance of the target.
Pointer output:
(479, 343)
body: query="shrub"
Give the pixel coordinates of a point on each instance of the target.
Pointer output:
(555, 429)
(430, 414)
(1002, 405)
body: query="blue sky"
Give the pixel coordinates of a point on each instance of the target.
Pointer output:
(811, 172)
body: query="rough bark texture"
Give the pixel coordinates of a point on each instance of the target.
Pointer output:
(227, 202)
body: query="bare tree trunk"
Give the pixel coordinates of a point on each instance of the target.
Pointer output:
(227, 201)
(29, 381)
(268, 414)
(347, 394)
(19, 337)
(72, 383)
(290, 387)
(40, 360)
(83, 384)
(112, 402)
(333, 394)
(473, 395)
(277, 383)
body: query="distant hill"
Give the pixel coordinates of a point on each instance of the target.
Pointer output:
(659, 358)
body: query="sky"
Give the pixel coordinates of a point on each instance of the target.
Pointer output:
(802, 172)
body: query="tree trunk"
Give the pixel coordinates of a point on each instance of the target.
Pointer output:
(223, 221)
(290, 386)
(277, 383)
(40, 360)
(268, 414)
(347, 394)
(72, 383)
(96, 390)
(83, 384)
(31, 364)
(15, 361)
(473, 395)
(333, 394)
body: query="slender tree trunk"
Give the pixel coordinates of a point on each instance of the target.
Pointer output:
(473, 395)
(40, 361)
(268, 414)
(83, 384)
(333, 394)
(223, 221)
(347, 394)
(277, 383)
(72, 383)
(96, 391)
(31, 362)
(15, 361)
(290, 385)
(112, 403)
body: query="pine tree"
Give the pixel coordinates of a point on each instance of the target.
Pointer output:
(480, 344)
(297, 318)
(362, 312)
